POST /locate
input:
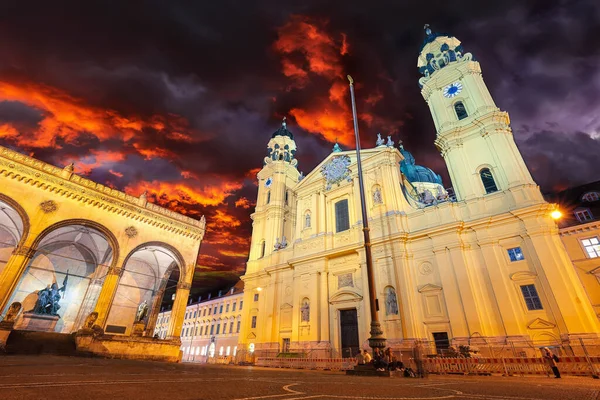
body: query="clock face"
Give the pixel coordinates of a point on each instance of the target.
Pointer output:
(268, 182)
(452, 89)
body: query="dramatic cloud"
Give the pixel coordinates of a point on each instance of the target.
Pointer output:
(180, 99)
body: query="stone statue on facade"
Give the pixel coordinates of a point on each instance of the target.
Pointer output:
(428, 197)
(49, 297)
(90, 320)
(390, 142)
(391, 302)
(277, 244)
(377, 198)
(380, 141)
(142, 311)
(305, 311)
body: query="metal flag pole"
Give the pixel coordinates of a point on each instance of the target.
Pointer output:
(376, 340)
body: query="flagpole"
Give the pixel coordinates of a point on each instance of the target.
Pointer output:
(376, 340)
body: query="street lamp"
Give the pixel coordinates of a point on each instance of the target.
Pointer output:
(556, 214)
(376, 340)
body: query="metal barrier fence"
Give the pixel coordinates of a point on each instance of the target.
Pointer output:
(332, 364)
(574, 366)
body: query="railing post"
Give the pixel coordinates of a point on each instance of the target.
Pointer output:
(587, 357)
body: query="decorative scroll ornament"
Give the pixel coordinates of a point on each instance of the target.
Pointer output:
(336, 171)
(131, 232)
(48, 206)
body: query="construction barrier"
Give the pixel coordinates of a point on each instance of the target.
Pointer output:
(575, 366)
(333, 364)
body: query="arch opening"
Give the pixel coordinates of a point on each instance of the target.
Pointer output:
(11, 232)
(62, 282)
(150, 272)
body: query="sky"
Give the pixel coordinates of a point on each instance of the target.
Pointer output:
(180, 98)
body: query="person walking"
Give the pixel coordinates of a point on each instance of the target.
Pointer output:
(551, 359)
(418, 355)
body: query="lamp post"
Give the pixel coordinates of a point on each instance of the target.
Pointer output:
(376, 340)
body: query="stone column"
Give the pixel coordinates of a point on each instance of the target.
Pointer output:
(178, 311)
(13, 270)
(155, 310)
(107, 294)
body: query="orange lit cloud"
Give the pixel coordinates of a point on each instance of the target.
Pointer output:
(243, 203)
(86, 164)
(68, 118)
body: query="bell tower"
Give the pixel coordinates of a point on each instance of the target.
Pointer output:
(473, 134)
(274, 216)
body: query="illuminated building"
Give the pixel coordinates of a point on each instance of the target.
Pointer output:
(482, 261)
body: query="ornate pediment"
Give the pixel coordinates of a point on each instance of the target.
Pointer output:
(430, 288)
(539, 323)
(345, 296)
(523, 275)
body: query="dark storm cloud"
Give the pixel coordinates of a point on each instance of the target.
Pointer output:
(180, 98)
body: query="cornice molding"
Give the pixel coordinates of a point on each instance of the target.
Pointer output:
(28, 170)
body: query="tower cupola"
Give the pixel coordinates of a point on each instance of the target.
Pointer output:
(282, 146)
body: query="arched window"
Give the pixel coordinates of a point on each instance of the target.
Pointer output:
(307, 219)
(262, 249)
(488, 181)
(461, 111)
(268, 197)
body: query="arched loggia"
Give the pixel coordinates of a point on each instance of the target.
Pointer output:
(75, 255)
(146, 276)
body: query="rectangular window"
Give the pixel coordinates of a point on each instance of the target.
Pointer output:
(237, 329)
(212, 329)
(218, 328)
(342, 218)
(442, 343)
(195, 312)
(215, 310)
(584, 215)
(592, 247)
(255, 296)
(241, 304)
(224, 328)
(532, 300)
(204, 313)
(233, 308)
(221, 309)
(209, 310)
(515, 254)
(227, 308)
(253, 322)
(231, 327)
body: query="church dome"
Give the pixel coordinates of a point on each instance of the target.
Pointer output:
(283, 131)
(416, 173)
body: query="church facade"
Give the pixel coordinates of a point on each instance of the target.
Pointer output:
(484, 261)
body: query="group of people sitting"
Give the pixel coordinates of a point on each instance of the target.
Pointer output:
(383, 361)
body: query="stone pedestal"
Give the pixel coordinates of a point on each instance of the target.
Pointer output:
(138, 329)
(37, 322)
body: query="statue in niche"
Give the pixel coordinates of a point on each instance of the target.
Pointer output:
(377, 198)
(142, 311)
(305, 311)
(380, 141)
(48, 298)
(307, 220)
(391, 302)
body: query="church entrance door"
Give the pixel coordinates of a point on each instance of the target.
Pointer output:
(349, 329)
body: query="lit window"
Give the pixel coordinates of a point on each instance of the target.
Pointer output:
(461, 111)
(253, 322)
(515, 254)
(234, 351)
(198, 350)
(488, 181)
(532, 300)
(342, 217)
(255, 296)
(221, 350)
(228, 351)
(584, 215)
(591, 196)
(592, 247)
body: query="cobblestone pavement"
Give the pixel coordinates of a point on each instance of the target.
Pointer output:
(50, 377)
